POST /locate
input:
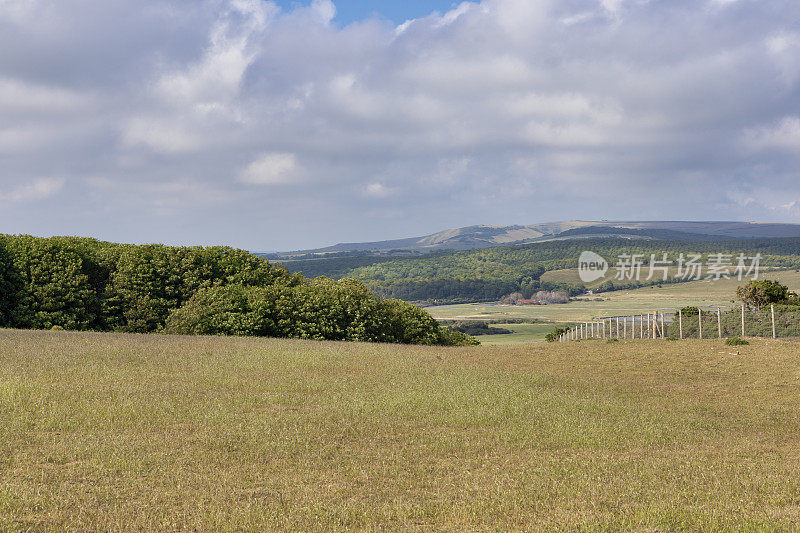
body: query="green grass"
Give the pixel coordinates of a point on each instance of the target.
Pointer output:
(627, 302)
(112, 432)
(521, 333)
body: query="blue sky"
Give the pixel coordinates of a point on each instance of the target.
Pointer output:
(234, 122)
(398, 11)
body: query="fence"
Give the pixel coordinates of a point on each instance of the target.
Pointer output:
(700, 323)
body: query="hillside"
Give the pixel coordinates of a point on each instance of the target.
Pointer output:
(113, 432)
(487, 274)
(471, 237)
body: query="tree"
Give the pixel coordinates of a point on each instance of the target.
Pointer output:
(758, 293)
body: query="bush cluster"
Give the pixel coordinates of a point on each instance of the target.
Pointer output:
(85, 284)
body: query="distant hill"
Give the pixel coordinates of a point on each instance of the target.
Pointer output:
(472, 237)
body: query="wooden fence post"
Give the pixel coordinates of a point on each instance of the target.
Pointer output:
(774, 335)
(742, 320)
(680, 322)
(719, 321)
(641, 326)
(663, 328)
(700, 322)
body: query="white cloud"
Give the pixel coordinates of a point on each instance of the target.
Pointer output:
(17, 96)
(324, 9)
(379, 190)
(274, 168)
(38, 189)
(161, 135)
(783, 136)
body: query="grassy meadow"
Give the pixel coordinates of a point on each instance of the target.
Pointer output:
(133, 432)
(521, 333)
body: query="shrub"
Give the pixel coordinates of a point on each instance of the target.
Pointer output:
(478, 327)
(320, 309)
(554, 335)
(735, 341)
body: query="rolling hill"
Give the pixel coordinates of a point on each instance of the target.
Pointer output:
(485, 236)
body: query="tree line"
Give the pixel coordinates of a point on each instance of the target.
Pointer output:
(85, 284)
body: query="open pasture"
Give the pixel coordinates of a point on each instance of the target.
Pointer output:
(120, 432)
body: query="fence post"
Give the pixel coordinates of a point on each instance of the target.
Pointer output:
(624, 327)
(700, 322)
(742, 320)
(641, 326)
(719, 321)
(663, 328)
(680, 323)
(774, 336)
(617, 332)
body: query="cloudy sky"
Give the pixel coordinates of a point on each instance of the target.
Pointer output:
(274, 126)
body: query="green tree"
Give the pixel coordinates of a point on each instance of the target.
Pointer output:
(53, 276)
(758, 293)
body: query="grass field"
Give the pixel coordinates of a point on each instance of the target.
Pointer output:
(521, 333)
(636, 301)
(123, 432)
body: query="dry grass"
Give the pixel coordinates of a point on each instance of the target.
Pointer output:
(123, 432)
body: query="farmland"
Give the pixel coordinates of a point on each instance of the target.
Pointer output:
(105, 431)
(635, 301)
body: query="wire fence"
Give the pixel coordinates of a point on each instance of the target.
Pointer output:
(693, 323)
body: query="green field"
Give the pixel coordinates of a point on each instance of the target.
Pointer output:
(627, 302)
(521, 333)
(111, 432)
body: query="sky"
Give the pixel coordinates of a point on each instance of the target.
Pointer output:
(295, 125)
